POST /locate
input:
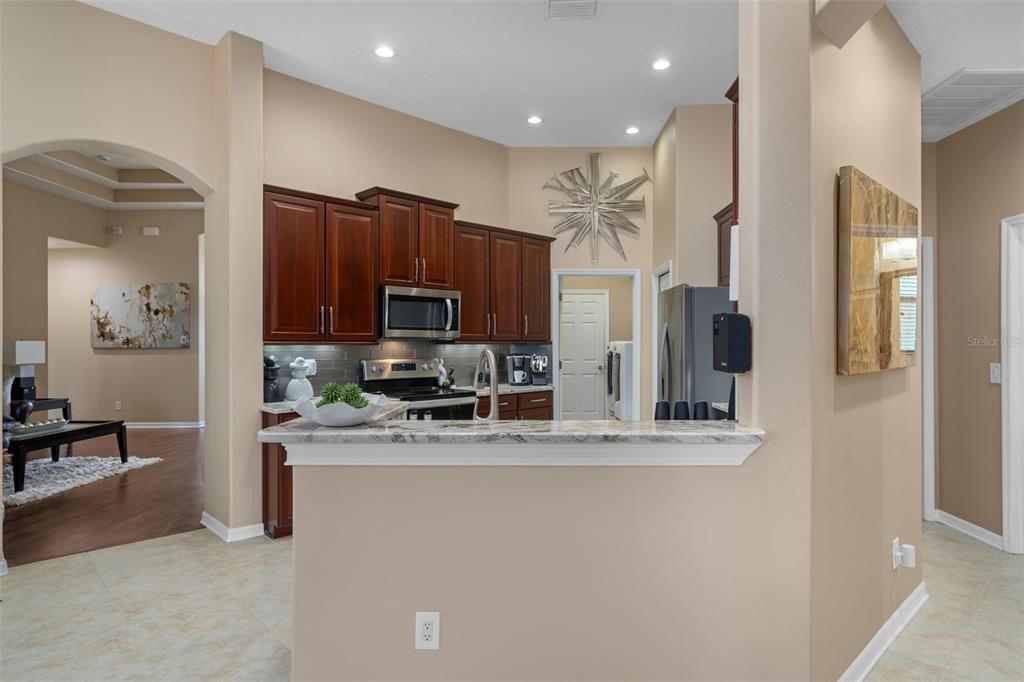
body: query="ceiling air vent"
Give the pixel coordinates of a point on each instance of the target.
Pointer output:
(572, 9)
(966, 97)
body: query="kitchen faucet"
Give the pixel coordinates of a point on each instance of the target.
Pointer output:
(490, 371)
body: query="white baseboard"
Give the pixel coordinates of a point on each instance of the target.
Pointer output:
(231, 534)
(164, 425)
(884, 638)
(3, 567)
(968, 528)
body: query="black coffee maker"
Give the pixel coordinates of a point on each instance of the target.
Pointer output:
(271, 391)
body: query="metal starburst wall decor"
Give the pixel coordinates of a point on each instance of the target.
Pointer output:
(595, 209)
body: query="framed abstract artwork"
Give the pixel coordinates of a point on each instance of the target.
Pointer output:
(151, 315)
(876, 305)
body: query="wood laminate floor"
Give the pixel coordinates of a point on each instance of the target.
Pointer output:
(151, 502)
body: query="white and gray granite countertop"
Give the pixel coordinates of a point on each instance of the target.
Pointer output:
(515, 432)
(505, 389)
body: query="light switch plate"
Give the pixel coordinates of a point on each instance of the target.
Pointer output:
(995, 373)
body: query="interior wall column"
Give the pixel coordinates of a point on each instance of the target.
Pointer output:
(234, 284)
(775, 285)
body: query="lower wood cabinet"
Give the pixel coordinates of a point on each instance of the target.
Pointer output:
(277, 482)
(538, 405)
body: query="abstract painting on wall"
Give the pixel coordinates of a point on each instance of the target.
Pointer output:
(876, 305)
(153, 315)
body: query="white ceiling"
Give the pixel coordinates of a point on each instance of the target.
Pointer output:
(482, 67)
(972, 58)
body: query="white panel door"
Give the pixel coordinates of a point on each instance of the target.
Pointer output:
(583, 341)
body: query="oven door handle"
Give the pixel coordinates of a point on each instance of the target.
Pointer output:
(441, 402)
(451, 314)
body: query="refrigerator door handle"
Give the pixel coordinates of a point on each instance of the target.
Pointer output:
(666, 364)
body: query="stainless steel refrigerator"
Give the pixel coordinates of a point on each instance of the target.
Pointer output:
(684, 369)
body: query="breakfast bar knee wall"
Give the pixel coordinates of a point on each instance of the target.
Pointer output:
(553, 550)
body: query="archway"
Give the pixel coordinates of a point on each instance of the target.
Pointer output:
(146, 159)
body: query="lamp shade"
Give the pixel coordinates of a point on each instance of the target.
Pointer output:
(24, 352)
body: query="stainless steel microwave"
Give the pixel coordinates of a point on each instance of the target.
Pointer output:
(412, 313)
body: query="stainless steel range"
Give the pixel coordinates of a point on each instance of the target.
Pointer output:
(415, 381)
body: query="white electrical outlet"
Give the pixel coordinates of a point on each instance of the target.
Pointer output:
(117, 405)
(428, 630)
(903, 555)
(895, 553)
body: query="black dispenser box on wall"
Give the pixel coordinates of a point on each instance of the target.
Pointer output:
(732, 342)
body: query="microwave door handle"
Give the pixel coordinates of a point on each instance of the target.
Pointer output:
(448, 309)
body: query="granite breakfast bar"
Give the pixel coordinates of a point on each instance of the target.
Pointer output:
(390, 518)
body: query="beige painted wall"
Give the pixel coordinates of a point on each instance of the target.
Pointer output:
(30, 216)
(620, 302)
(867, 429)
(703, 188)
(157, 385)
(530, 168)
(665, 189)
(323, 141)
(979, 173)
(61, 59)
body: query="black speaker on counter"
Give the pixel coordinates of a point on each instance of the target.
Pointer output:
(732, 342)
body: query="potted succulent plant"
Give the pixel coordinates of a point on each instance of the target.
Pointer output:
(341, 406)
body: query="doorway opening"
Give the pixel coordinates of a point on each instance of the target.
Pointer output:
(1012, 366)
(103, 272)
(596, 343)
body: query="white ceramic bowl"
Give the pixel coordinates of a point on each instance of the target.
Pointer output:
(341, 414)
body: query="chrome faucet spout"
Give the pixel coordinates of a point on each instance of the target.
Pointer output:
(488, 363)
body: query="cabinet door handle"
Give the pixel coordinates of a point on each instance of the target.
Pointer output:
(539, 400)
(526, 324)
(321, 319)
(495, 315)
(416, 277)
(488, 316)
(424, 270)
(331, 311)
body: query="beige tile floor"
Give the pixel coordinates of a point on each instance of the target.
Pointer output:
(183, 607)
(972, 626)
(190, 607)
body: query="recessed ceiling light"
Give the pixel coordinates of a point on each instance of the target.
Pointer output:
(384, 52)
(632, 130)
(535, 120)
(102, 157)
(661, 64)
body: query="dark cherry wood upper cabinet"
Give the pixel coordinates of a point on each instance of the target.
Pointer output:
(351, 277)
(399, 241)
(724, 221)
(415, 235)
(733, 95)
(436, 233)
(293, 268)
(506, 257)
(536, 289)
(472, 278)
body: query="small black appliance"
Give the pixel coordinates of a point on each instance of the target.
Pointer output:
(732, 342)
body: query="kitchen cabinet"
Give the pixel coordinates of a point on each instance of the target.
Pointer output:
(351, 274)
(416, 238)
(536, 289)
(472, 280)
(293, 268)
(319, 269)
(505, 281)
(526, 405)
(506, 253)
(730, 215)
(277, 482)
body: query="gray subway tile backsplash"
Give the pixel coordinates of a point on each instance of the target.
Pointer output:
(340, 364)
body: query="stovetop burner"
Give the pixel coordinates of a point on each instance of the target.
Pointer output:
(427, 393)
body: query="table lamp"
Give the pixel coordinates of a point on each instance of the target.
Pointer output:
(24, 356)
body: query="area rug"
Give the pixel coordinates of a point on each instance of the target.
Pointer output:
(44, 478)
